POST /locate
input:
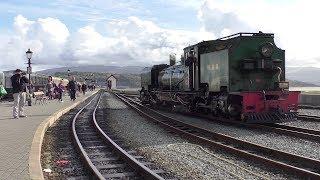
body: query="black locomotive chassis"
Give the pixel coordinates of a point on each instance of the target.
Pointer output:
(176, 98)
(199, 101)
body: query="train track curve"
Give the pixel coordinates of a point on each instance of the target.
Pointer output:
(100, 152)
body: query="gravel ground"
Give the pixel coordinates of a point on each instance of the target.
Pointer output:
(127, 123)
(172, 153)
(58, 153)
(281, 142)
(310, 112)
(192, 161)
(304, 124)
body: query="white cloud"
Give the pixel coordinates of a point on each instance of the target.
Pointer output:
(45, 37)
(293, 22)
(132, 41)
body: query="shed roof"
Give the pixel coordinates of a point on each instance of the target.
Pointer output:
(111, 76)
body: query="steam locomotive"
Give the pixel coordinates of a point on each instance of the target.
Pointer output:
(241, 76)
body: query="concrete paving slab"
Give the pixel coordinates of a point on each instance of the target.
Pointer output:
(16, 135)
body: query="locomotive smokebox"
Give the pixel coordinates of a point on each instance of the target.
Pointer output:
(172, 58)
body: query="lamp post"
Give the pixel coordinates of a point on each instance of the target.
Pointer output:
(69, 74)
(29, 71)
(93, 78)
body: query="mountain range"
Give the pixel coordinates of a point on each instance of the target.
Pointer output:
(298, 76)
(304, 74)
(95, 68)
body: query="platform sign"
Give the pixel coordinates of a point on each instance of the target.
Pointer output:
(29, 70)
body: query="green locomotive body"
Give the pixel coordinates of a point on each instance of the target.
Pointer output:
(237, 63)
(242, 75)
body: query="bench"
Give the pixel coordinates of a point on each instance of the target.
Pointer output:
(40, 97)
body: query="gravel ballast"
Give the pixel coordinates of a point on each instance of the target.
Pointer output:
(58, 154)
(280, 142)
(304, 124)
(172, 153)
(310, 112)
(191, 161)
(124, 123)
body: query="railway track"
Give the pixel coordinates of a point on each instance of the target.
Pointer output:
(291, 163)
(307, 134)
(302, 117)
(309, 118)
(101, 152)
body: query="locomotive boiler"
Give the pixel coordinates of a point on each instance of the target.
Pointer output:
(240, 76)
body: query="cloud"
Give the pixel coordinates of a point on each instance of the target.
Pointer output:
(293, 23)
(44, 36)
(130, 41)
(220, 20)
(137, 41)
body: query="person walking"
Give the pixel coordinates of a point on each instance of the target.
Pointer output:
(59, 90)
(50, 87)
(72, 87)
(79, 87)
(19, 88)
(84, 88)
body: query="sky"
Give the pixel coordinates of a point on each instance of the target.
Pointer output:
(145, 32)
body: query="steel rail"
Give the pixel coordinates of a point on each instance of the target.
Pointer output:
(309, 118)
(312, 163)
(294, 132)
(139, 167)
(312, 132)
(307, 134)
(289, 130)
(84, 155)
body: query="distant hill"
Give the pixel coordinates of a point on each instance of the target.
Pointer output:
(123, 80)
(298, 76)
(294, 83)
(304, 74)
(96, 69)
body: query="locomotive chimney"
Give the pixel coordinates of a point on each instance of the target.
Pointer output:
(172, 58)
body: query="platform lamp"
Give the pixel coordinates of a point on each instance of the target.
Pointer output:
(29, 71)
(92, 78)
(69, 74)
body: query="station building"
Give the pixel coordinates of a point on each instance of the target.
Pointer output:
(111, 82)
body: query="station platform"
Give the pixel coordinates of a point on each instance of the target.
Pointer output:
(16, 135)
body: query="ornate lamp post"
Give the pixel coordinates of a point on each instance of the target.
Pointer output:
(29, 71)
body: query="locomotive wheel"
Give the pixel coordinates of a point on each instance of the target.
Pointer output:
(234, 110)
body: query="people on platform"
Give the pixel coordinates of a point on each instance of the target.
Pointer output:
(79, 87)
(50, 88)
(72, 87)
(84, 88)
(19, 88)
(60, 90)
